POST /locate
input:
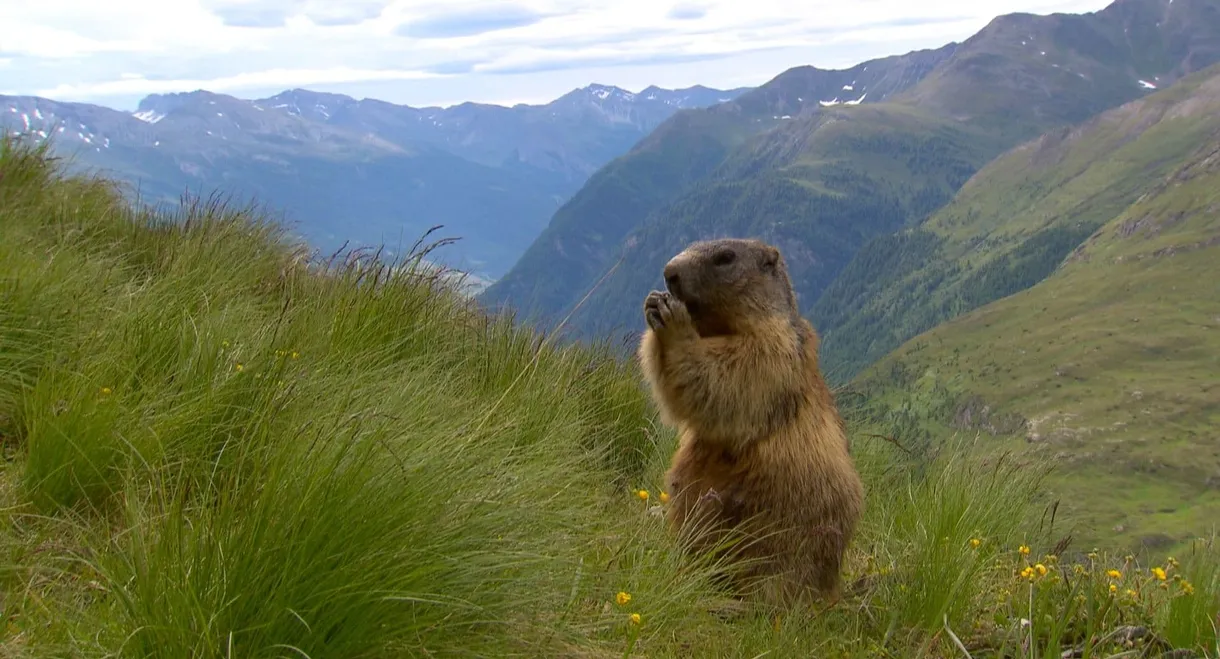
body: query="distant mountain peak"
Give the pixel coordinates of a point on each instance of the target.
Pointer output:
(600, 92)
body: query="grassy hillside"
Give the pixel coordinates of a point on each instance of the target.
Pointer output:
(1108, 366)
(215, 447)
(1013, 223)
(1020, 76)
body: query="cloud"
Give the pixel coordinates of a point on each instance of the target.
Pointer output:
(600, 62)
(276, 13)
(687, 12)
(428, 51)
(454, 68)
(350, 12)
(470, 22)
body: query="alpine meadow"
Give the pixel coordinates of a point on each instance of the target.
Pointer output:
(225, 438)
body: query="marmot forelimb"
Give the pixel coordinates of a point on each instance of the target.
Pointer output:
(733, 365)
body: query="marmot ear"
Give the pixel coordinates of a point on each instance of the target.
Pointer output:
(770, 257)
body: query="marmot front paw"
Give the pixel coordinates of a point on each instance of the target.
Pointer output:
(664, 311)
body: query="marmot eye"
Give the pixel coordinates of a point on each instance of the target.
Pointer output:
(724, 257)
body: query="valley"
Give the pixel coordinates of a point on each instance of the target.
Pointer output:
(364, 173)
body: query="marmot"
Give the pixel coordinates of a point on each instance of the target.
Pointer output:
(762, 448)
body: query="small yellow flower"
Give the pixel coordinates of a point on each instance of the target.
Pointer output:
(279, 353)
(975, 542)
(1113, 588)
(238, 367)
(642, 494)
(622, 598)
(1078, 569)
(106, 391)
(296, 355)
(664, 497)
(635, 618)
(1132, 594)
(1187, 588)
(1172, 562)
(1159, 573)
(1114, 574)
(1027, 573)
(224, 344)
(1023, 550)
(1041, 569)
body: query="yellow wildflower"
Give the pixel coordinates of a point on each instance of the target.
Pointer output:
(1027, 573)
(1159, 573)
(1187, 588)
(296, 355)
(642, 494)
(635, 618)
(1132, 594)
(1113, 588)
(238, 367)
(224, 344)
(664, 497)
(106, 391)
(1041, 569)
(1172, 562)
(1023, 550)
(975, 542)
(622, 598)
(1114, 574)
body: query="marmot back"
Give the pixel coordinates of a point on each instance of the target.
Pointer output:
(733, 366)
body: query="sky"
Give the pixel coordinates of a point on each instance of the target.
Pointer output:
(438, 52)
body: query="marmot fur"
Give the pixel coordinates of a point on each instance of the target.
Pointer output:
(762, 448)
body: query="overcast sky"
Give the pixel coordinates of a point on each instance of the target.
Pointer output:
(441, 52)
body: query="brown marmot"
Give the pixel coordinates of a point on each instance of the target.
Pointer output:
(762, 448)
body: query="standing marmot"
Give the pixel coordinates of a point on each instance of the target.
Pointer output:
(762, 449)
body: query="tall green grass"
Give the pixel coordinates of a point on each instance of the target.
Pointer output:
(219, 446)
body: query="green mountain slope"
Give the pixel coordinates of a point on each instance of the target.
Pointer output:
(1008, 228)
(1065, 68)
(215, 448)
(586, 235)
(978, 96)
(858, 171)
(1110, 366)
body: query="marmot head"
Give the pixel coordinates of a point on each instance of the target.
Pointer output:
(728, 283)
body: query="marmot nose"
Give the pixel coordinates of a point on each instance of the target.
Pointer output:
(672, 282)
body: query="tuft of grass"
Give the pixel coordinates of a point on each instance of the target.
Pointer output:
(218, 445)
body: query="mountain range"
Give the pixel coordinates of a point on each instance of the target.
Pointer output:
(1015, 235)
(365, 172)
(821, 162)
